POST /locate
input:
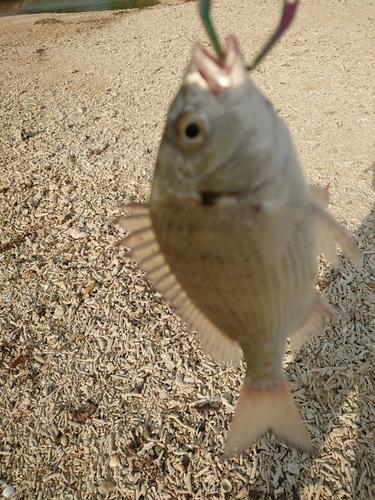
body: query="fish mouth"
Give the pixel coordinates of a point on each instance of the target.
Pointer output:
(220, 75)
(212, 198)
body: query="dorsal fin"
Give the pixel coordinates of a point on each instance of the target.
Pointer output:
(146, 251)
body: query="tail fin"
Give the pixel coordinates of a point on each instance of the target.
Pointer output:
(259, 411)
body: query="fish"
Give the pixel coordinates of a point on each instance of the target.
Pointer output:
(230, 237)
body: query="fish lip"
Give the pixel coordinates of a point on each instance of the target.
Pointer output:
(217, 74)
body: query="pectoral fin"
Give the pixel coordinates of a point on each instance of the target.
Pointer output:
(146, 251)
(329, 232)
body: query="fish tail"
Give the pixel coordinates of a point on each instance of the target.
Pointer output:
(261, 410)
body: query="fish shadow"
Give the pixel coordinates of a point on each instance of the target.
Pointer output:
(337, 373)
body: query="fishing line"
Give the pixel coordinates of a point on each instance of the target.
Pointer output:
(289, 10)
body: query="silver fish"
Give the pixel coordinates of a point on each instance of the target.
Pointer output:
(231, 235)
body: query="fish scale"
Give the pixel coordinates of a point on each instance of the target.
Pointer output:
(297, 273)
(199, 279)
(230, 238)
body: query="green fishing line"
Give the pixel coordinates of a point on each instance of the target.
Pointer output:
(289, 10)
(204, 9)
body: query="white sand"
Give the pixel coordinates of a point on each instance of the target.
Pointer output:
(83, 99)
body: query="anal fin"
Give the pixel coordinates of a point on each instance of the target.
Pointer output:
(320, 314)
(261, 410)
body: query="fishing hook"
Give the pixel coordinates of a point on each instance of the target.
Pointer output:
(289, 10)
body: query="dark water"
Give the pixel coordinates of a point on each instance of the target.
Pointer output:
(35, 6)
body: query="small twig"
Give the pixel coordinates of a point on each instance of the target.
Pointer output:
(17, 241)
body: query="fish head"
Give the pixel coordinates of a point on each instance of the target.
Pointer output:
(218, 134)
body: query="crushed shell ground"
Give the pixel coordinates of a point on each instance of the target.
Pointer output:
(104, 394)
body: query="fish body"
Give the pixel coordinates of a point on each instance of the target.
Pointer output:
(231, 234)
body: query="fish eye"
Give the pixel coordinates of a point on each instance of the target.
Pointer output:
(191, 131)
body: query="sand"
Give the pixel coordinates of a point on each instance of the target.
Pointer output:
(104, 394)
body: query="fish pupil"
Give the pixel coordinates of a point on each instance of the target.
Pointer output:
(192, 130)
